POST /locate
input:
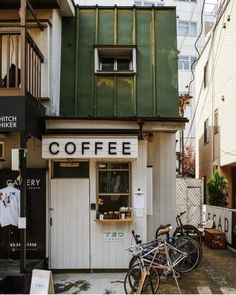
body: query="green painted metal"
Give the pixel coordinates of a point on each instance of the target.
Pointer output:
(151, 92)
(125, 27)
(68, 67)
(166, 64)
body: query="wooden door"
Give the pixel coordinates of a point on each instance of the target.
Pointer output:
(70, 240)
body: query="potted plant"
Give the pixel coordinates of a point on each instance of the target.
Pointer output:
(217, 187)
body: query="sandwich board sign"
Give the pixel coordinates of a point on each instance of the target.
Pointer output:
(41, 282)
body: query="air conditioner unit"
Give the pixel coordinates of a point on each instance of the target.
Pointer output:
(1, 150)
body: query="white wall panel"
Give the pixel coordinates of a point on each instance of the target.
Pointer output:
(70, 224)
(164, 182)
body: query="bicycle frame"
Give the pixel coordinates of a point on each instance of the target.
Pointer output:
(155, 251)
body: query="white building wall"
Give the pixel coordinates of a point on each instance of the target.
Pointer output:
(162, 159)
(49, 43)
(219, 93)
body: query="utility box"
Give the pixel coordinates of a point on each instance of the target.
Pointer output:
(215, 239)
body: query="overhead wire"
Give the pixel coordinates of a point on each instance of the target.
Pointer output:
(195, 5)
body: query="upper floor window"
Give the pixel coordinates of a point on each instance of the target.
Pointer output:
(149, 3)
(216, 121)
(115, 59)
(205, 75)
(186, 28)
(206, 131)
(185, 62)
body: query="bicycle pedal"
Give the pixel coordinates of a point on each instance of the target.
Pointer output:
(163, 277)
(177, 275)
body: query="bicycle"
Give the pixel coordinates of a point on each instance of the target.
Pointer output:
(143, 277)
(187, 229)
(190, 245)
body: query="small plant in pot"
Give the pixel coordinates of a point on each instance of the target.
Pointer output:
(217, 187)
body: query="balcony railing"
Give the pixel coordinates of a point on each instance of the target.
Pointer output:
(11, 59)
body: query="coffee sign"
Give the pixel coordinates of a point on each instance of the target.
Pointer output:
(90, 147)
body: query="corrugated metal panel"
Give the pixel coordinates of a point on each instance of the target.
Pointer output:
(151, 92)
(125, 27)
(86, 25)
(166, 63)
(144, 63)
(68, 67)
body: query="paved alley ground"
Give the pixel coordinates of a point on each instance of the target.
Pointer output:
(215, 275)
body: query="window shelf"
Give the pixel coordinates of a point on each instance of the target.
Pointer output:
(113, 220)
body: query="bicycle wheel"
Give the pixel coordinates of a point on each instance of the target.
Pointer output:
(192, 250)
(133, 261)
(133, 276)
(188, 230)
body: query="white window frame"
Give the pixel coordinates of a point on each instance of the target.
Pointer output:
(2, 155)
(188, 27)
(185, 62)
(188, 1)
(115, 52)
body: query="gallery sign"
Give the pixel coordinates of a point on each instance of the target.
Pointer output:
(89, 147)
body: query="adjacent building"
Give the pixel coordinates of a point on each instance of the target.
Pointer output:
(215, 106)
(215, 118)
(30, 60)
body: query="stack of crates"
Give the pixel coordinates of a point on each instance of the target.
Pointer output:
(215, 239)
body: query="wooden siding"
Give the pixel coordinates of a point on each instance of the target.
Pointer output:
(151, 92)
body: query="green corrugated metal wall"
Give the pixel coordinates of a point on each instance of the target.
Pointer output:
(152, 92)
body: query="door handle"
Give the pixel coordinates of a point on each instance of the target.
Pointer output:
(50, 221)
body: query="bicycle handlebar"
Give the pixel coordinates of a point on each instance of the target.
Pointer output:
(136, 238)
(163, 229)
(178, 218)
(181, 213)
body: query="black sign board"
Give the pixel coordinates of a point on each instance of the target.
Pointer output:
(36, 218)
(21, 114)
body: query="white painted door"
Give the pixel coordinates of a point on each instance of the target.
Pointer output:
(70, 246)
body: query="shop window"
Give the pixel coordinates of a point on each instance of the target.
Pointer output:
(206, 131)
(113, 191)
(115, 60)
(1, 150)
(70, 170)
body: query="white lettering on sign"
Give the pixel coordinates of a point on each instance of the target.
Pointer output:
(88, 147)
(8, 122)
(33, 183)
